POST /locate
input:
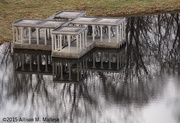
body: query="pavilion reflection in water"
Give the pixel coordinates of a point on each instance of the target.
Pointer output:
(69, 70)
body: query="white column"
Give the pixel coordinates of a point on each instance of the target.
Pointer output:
(86, 38)
(83, 39)
(45, 36)
(101, 32)
(122, 30)
(21, 34)
(37, 34)
(117, 33)
(109, 33)
(55, 42)
(93, 33)
(52, 36)
(120, 33)
(58, 46)
(29, 28)
(60, 42)
(77, 42)
(17, 34)
(69, 43)
(13, 35)
(80, 41)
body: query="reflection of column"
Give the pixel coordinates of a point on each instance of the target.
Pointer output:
(117, 60)
(93, 33)
(30, 62)
(37, 34)
(46, 62)
(21, 34)
(53, 68)
(117, 32)
(45, 34)
(69, 65)
(29, 28)
(78, 72)
(83, 68)
(22, 62)
(94, 60)
(109, 33)
(102, 60)
(120, 59)
(69, 43)
(38, 63)
(109, 60)
(101, 33)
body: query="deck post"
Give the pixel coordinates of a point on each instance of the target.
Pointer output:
(60, 42)
(69, 43)
(69, 65)
(29, 29)
(77, 44)
(37, 34)
(45, 34)
(117, 33)
(109, 33)
(101, 33)
(109, 60)
(80, 41)
(86, 36)
(83, 39)
(17, 35)
(93, 33)
(58, 46)
(21, 34)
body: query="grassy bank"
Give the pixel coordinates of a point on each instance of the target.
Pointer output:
(12, 10)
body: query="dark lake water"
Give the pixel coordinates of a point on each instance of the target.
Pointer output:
(138, 83)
